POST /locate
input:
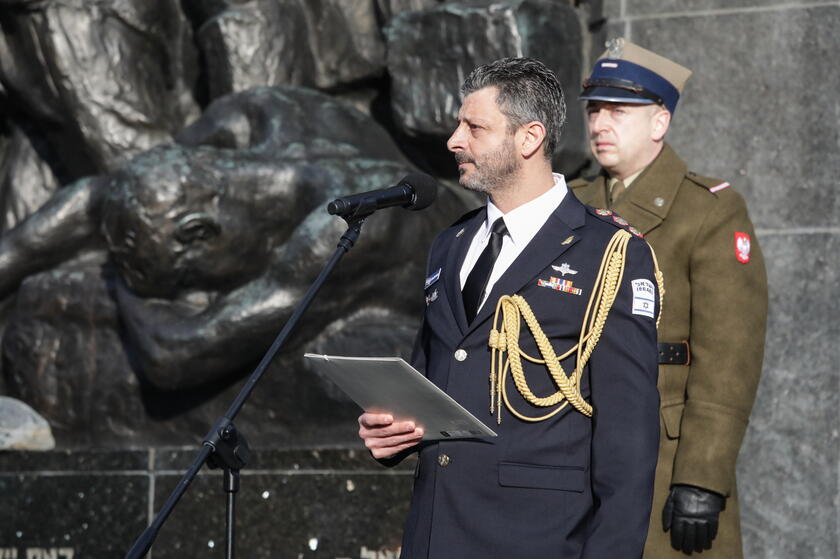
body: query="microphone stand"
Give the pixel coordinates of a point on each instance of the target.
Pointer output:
(226, 448)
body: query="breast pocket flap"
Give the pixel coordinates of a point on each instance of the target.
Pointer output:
(562, 478)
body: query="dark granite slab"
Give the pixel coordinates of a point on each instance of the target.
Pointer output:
(287, 460)
(329, 514)
(67, 461)
(71, 515)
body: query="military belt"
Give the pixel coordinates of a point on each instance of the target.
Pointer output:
(674, 353)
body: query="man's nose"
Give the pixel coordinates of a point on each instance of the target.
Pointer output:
(456, 140)
(597, 120)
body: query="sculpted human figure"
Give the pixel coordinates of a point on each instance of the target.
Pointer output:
(216, 238)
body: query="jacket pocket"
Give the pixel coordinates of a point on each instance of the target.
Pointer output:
(672, 418)
(562, 478)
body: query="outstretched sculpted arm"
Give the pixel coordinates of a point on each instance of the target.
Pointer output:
(54, 233)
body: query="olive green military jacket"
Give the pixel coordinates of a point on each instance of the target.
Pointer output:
(715, 297)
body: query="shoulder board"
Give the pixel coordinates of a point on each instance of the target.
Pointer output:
(710, 184)
(614, 219)
(469, 215)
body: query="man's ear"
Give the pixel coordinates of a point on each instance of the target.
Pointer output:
(661, 119)
(533, 136)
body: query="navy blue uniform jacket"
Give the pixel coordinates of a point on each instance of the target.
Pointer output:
(568, 487)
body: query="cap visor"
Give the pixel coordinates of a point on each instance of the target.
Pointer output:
(612, 94)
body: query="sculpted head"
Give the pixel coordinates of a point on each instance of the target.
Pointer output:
(175, 221)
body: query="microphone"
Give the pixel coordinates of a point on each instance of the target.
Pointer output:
(415, 191)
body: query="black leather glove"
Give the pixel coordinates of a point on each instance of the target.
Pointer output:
(691, 513)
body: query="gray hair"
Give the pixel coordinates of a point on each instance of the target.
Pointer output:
(528, 91)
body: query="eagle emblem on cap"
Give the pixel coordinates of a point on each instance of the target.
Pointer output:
(615, 47)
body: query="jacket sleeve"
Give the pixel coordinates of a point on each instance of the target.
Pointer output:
(625, 422)
(418, 361)
(728, 321)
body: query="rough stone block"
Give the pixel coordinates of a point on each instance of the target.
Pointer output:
(431, 52)
(26, 180)
(655, 7)
(320, 44)
(390, 8)
(109, 78)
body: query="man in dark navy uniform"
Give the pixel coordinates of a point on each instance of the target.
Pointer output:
(571, 473)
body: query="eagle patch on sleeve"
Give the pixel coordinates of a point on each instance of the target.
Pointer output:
(742, 247)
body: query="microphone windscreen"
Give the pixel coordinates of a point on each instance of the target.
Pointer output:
(425, 190)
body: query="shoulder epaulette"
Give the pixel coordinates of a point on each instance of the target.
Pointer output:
(613, 219)
(710, 184)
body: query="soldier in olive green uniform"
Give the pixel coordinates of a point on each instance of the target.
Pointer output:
(712, 328)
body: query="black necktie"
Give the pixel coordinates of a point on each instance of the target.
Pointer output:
(477, 280)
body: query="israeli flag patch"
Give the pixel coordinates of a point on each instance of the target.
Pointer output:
(432, 279)
(644, 295)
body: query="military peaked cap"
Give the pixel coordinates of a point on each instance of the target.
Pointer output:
(627, 73)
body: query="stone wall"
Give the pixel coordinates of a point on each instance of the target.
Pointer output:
(761, 111)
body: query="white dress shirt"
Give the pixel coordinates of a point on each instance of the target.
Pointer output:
(522, 224)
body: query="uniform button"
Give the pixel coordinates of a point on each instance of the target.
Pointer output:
(659, 201)
(461, 354)
(443, 460)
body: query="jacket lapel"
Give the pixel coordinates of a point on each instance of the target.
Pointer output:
(546, 246)
(454, 260)
(649, 198)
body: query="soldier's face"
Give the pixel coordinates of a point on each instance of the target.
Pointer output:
(625, 137)
(483, 143)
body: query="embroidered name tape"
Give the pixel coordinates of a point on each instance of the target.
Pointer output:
(643, 297)
(432, 279)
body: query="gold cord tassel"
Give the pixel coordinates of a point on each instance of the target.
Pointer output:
(506, 356)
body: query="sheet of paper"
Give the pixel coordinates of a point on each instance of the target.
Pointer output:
(389, 384)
